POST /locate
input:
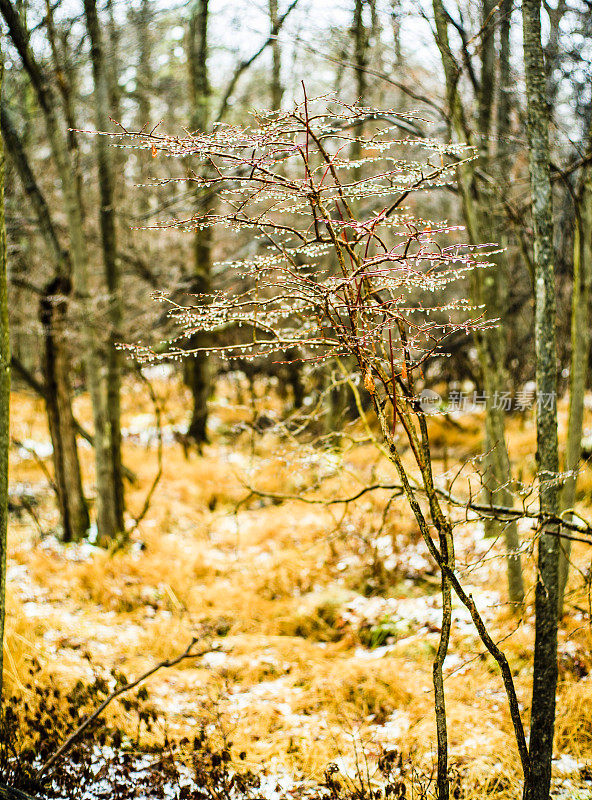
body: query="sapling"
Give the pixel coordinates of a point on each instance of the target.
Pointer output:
(344, 270)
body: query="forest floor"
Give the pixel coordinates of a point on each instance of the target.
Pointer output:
(322, 620)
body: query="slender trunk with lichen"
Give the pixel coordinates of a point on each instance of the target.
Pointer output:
(110, 259)
(580, 352)
(542, 719)
(487, 284)
(4, 402)
(442, 780)
(198, 371)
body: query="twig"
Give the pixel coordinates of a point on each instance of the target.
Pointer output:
(158, 476)
(39, 462)
(495, 511)
(243, 65)
(10, 793)
(63, 748)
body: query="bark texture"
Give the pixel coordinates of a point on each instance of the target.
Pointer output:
(110, 262)
(580, 351)
(545, 650)
(58, 403)
(277, 90)
(4, 400)
(198, 372)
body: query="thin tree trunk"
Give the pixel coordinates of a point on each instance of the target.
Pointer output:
(4, 402)
(141, 19)
(277, 90)
(144, 70)
(113, 40)
(94, 366)
(580, 349)
(198, 372)
(487, 285)
(542, 720)
(58, 401)
(62, 64)
(360, 37)
(442, 779)
(110, 257)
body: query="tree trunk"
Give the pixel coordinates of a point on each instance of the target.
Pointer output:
(141, 18)
(542, 719)
(110, 258)
(58, 402)
(57, 363)
(198, 373)
(94, 365)
(487, 284)
(145, 78)
(4, 402)
(277, 90)
(360, 40)
(62, 65)
(113, 41)
(580, 348)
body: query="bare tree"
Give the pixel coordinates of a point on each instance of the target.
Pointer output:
(94, 366)
(487, 285)
(377, 307)
(57, 362)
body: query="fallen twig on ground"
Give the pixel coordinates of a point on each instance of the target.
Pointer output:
(63, 748)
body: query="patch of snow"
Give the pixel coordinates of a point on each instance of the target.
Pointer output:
(31, 446)
(566, 764)
(158, 371)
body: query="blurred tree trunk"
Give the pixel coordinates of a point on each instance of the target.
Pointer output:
(94, 364)
(542, 717)
(396, 16)
(65, 78)
(580, 350)
(488, 285)
(360, 39)
(113, 41)
(57, 362)
(277, 90)
(110, 257)
(4, 402)
(144, 80)
(198, 373)
(58, 402)
(113, 63)
(342, 402)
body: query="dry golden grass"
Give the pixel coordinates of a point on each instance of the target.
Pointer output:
(291, 681)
